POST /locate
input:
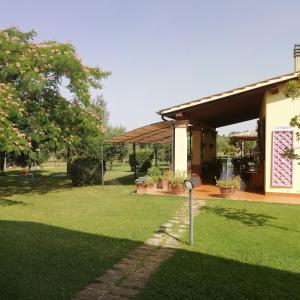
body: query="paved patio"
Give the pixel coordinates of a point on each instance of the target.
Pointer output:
(206, 191)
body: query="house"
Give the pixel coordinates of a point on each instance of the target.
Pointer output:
(199, 118)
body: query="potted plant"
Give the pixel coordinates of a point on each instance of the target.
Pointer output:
(144, 184)
(177, 182)
(251, 167)
(155, 174)
(228, 187)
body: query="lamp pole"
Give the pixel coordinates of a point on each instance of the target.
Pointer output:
(191, 217)
(189, 184)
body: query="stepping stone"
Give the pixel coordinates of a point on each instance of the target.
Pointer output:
(123, 291)
(168, 225)
(89, 295)
(130, 274)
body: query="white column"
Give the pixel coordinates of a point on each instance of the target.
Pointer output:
(180, 146)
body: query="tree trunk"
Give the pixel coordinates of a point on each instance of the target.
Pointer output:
(2, 163)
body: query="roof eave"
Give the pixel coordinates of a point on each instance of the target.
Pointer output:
(240, 90)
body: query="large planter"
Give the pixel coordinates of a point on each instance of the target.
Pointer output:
(165, 184)
(144, 188)
(177, 189)
(227, 192)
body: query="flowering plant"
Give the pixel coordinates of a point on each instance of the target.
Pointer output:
(234, 182)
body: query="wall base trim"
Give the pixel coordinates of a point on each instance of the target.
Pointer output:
(283, 194)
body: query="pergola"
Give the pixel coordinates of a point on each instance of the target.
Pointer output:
(243, 137)
(156, 133)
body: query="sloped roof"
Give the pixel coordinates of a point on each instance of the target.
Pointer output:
(240, 90)
(160, 133)
(245, 135)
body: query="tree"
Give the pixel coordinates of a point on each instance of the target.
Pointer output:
(229, 150)
(115, 151)
(35, 117)
(292, 90)
(222, 140)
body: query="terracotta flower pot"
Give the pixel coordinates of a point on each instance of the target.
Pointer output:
(227, 192)
(165, 184)
(177, 189)
(144, 188)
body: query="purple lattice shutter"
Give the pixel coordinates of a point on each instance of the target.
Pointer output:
(282, 167)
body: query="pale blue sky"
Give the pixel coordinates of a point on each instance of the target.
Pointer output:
(165, 52)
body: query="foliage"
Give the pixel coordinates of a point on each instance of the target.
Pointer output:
(115, 151)
(222, 140)
(145, 180)
(143, 160)
(232, 182)
(229, 150)
(165, 152)
(292, 90)
(154, 172)
(167, 174)
(177, 178)
(85, 171)
(35, 116)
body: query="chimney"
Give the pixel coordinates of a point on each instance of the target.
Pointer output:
(297, 57)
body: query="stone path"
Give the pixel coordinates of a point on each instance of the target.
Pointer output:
(130, 275)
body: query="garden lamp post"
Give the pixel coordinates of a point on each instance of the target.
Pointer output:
(189, 184)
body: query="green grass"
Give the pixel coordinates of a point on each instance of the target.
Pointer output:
(242, 250)
(55, 239)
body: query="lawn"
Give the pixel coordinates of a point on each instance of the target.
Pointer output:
(55, 238)
(242, 250)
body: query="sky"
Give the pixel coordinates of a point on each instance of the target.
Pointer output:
(164, 52)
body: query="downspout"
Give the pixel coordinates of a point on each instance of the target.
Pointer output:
(173, 147)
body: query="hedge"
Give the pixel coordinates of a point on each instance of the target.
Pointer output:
(143, 160)
(85, 171)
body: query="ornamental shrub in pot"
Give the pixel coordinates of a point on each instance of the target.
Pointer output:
(177, 182)
(228, 187)
(144, 184)
(155, 174)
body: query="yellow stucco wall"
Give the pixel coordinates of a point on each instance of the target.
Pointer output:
(278, 111)
(180, 146)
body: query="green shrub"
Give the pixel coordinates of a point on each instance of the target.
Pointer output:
(143, 160)
(145, 180)
(85, 171)
(154, 172)
(177, 178)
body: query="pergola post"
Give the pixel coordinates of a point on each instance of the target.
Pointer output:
(180, 146)
(134, 160)
(155, 154)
